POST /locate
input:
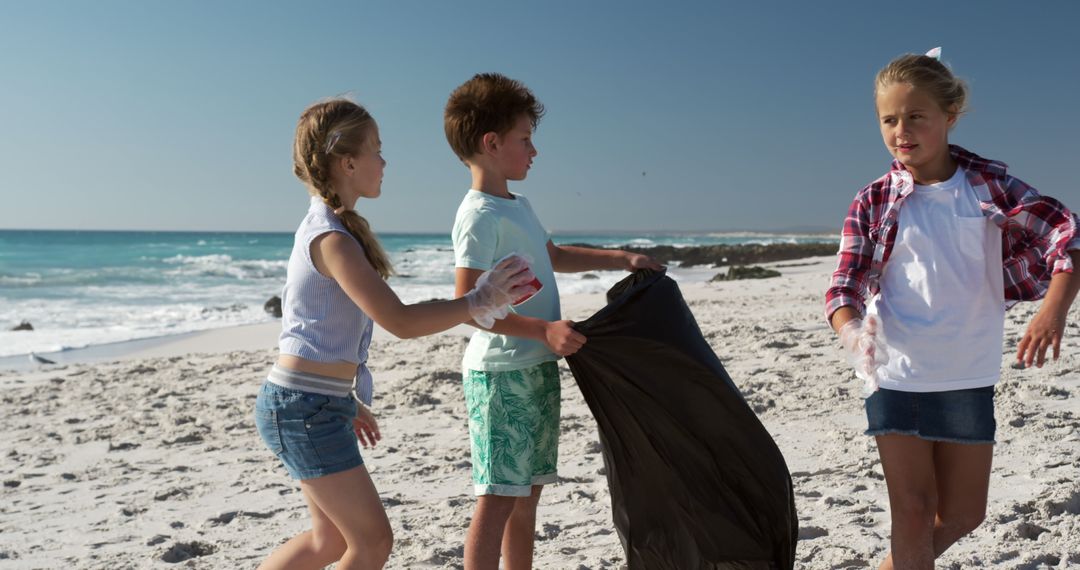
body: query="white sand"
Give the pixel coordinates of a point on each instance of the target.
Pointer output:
(154, 459)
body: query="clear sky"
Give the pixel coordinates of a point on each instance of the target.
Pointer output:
(661, 115)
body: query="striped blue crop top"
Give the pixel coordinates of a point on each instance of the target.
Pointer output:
(319, 321)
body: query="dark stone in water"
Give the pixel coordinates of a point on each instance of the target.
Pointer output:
(741, 272)
(23, 326)
(273, 306)
(590, 276)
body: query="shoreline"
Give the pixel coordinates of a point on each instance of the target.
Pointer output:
(251, 337)
(695, 263)
(242, 337)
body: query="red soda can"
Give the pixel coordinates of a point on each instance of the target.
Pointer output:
(537, 285)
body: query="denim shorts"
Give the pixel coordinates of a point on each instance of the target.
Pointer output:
(957, 416)
(311, 433)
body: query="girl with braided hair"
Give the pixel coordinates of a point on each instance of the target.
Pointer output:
(313, 406)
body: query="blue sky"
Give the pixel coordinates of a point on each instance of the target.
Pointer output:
(661, 115)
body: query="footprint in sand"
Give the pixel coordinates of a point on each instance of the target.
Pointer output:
(549, 532)
(1040, 562)
(174, 492)
(445, 556)
(182, 551)
(1029, 531)
(188, 438)
(226, 518)
(811, 532)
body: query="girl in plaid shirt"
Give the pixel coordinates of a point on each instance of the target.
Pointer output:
(931, 256)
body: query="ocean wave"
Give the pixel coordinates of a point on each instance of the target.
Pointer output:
(197, 259)
(67, 281)
(771, 241)
(24, 280)
(813, 237)
(223, 265)
(426, 266)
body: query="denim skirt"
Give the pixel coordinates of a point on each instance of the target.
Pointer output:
(311, 433)
(958, 416)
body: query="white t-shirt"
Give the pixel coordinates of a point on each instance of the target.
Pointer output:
(942, 302)
(486, 229)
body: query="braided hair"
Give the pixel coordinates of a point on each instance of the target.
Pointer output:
(330, 129)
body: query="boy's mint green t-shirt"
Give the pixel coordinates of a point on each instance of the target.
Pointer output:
(486, 229)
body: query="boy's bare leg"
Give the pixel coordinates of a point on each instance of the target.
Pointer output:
(485, 534)
(520, 532)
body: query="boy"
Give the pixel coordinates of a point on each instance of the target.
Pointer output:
(510, 373)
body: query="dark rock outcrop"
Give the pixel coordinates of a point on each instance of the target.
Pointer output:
(721, 255)
(742, 272)
(273, 306)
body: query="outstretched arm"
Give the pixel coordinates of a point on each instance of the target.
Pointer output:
(338, 257)
(572, 259)
(1048, 325)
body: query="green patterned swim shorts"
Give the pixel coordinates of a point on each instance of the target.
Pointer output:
(514, 428)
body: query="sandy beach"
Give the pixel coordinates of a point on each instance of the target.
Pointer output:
(153, 461)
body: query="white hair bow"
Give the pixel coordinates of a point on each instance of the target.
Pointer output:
(934, 53)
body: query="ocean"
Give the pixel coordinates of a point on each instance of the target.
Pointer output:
(86, 288)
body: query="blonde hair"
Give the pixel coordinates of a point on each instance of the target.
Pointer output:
(329, 129)
(928, 74)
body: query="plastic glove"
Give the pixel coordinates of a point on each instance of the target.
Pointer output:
(497, 288)
(865, 349)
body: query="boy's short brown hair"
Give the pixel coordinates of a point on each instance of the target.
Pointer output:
(489, 102)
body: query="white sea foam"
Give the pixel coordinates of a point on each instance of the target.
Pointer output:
(223, 265)
(20, 280)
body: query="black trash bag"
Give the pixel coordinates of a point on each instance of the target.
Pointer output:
(696, 481)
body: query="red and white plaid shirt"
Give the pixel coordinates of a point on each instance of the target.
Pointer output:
(1036, 232)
